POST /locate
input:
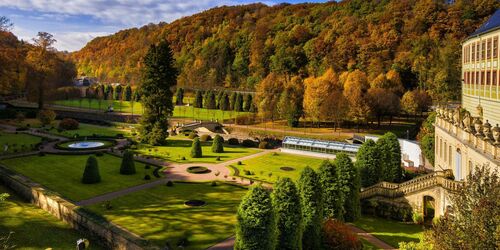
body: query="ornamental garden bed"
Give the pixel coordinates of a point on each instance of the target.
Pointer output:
(198, 170)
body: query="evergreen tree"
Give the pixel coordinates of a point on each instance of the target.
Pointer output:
(91, 173)
(286, 203)
(179, 96)
(127, 93)
(211, 103)
(217, 144)
(159, 75)
(369, 164)
(224, 105)
(108, 92)
(128, 165)
(349, 184)
(219, 96)
(137, 95)
(388, 146)
(198, 101)
(332, 197)
(247, 102)
(238, 103)
(312, 208)
(196, 148)
(117, 93)
(232, 101)
(255, 228)
(205, 99)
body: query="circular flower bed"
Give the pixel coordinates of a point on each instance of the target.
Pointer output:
(194, 203)
(287, 168)
(198, 170)
(90, 144)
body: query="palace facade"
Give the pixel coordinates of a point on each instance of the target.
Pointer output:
(468, 136)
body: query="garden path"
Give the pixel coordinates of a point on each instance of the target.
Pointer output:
(370, 238)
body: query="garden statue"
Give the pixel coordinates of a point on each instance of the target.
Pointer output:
(487, 130)
(467, 121)
(480, 110)
(496, 135)
(457, 118)
(478, 126)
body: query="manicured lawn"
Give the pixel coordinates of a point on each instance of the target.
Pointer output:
(176, 149)
(16, 142)
(390, 231)
(179, 111)
(63, 173)
(33, 227)
(85, 129)
(159, 214)
(261, 167)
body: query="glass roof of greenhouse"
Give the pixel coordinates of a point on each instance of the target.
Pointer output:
(335, 145)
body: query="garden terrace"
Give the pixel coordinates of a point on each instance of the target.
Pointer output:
(319, 146)
(63, 173)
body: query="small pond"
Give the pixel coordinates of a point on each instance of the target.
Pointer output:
(86, 144)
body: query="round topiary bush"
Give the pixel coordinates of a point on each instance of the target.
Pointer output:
(233, 141)
(217, 145)
(128, 165)
(198, 170)
(248, 143)
(205, 138)
(91, 173)
(170, 184)
(213, 184)
(196, 149)
(263, 145)
(147, 177)
(69, 124)
(192, 135)
(287, 168)
(194, 203)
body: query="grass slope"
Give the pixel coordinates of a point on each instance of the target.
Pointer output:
(159, 214)
(271, 163)
(18, 139)
(390, 231)
(33, 227)
(63, 173)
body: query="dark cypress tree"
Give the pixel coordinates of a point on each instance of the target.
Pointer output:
(388, 146)
(232, 100)
(218, 98)
(137, 95)
(312, 208)
(286, 203)
(127, 93)
(91, 173)
(211, 103)
(196, 148)
(179, 96)
(348, 181)
(198, 101)
(238, 103)
(256, 226)
(205, 99)
(224, 105)
(217, 144)
(247, 102)
(369, 163)
(128, 164)
(108, 92)
(332, 197)
(159, 75)
(117, 93)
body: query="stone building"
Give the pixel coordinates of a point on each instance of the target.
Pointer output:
(470, 136)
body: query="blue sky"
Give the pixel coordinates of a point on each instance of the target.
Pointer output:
(75, 22)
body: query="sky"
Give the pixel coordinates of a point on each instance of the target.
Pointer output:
(75, 22)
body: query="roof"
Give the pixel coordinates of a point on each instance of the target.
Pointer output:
(338, 146)
(492, 24)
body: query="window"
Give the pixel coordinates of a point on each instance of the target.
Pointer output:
(494, 77)
(488, 49)
(488, 77)
(483, 77)
(445, 152)
(473, 52)
(483, 50)
(449, 154)
(473, 78)
(495, 47)
(441, 148)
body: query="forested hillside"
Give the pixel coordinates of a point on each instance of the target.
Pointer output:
(238, 47)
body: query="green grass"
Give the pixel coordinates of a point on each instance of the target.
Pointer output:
(85, 129)
(19, 140)
(179, 111)
(271, 163)
(177, 148)
(390, 231)
(63, 173)
(159, 214)
(33, 227)
(367, 245)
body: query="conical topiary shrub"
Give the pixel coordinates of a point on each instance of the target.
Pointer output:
(128, 166)
(91, 173)
(196, 148)
(217, 146)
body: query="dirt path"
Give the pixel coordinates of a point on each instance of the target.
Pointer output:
(370, 238)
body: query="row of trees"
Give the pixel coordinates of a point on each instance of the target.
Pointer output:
(108, 92)
(291, 216)
(333, 97)
(225, 101)
(380, 161)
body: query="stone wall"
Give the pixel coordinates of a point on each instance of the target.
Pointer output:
(109, 234)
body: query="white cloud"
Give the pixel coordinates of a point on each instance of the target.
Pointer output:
(71, 41)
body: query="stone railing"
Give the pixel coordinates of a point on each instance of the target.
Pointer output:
(394, 190)
(470, 130)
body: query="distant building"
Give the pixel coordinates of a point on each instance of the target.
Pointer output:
(85, 81)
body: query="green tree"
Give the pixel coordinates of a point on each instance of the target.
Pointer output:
(238, 103)
(475, 222)
(256, 223)
(286, 203)
(224, 102)
(128, 165)
(117, 93)
(426, 137)
(198, 101)
(210, 100)
(196, 148)
(390, 150)
(368, 162)
(217, 144)
(332, 196)
(179, 100)
(232, 100)
(247, 102)
(312, 208)
(91, 173)
(46, 116)
(127, 93)
(159, 76)
(348, 180)
(108, 92)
